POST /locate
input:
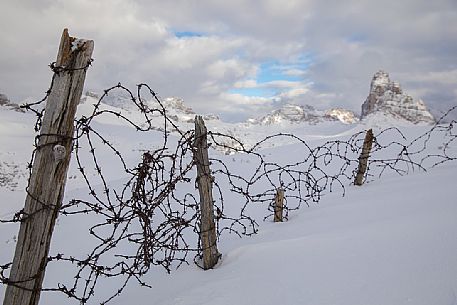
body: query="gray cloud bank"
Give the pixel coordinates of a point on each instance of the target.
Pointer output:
(343, 43)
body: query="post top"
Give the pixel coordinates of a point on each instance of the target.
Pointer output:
(70, 44)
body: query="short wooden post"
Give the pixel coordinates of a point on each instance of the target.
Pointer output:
(50, 166)
(363, 159)
(208, 235)
(279, 205)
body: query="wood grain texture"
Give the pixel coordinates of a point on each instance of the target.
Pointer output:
(279, 205)
(363, 159)
(204, 181)
(47, 181)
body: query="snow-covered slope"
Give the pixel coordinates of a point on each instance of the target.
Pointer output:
(16, 142)
(391, 241)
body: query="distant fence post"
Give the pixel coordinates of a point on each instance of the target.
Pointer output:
(363, 159)
(208, 235)
(49, 171)
(279, 205)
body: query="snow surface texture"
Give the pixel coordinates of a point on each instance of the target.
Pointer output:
(387, 97)
(391, 241)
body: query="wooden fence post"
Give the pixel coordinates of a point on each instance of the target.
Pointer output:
(279, 205)
(49, 171)
(363, 159)
(208, 235)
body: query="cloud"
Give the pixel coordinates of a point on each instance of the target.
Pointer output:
(295, 72)
(409, 39)
(304, 51)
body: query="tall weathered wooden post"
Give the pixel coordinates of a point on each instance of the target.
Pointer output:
(208, 235)
(49, 172)
(363, 159)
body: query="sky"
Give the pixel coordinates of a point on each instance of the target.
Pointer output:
(239, 58)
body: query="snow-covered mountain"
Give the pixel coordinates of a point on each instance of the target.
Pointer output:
(290, 118)
(175, 107)
(387, 97)
(343, 115)
(180, 112)
(305, 114)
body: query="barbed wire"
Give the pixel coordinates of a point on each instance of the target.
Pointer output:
(152, 217)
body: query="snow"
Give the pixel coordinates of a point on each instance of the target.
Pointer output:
(391, 241)
(77, 43)
(380, 79)
(375, 246)
(345, 116)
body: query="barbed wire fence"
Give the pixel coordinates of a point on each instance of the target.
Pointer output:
(153, 217)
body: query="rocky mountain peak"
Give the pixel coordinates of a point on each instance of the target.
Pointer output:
(177, 104)
(180, 112)
(388, 97)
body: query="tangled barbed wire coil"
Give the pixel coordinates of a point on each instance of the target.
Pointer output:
(151, 215)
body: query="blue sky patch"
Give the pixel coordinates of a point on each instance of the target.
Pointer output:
(184, 34)
(273, 70)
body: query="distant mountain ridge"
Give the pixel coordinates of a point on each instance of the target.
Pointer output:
(175, 107)
(305, 114)
(178, 111)
(385, 98)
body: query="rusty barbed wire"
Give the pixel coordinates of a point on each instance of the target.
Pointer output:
(151, 217)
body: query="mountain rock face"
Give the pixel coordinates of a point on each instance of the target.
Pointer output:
(343, 115)
(291, 113)
(387, 97)
(175, 107)
(177, 104)
(4, 100)
(305, 113)
(180, 112)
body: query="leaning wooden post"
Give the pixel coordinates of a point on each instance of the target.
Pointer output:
(50, 166)
(204, 181)
(279, 205)
(363, 159)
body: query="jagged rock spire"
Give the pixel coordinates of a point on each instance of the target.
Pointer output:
(387, 97)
